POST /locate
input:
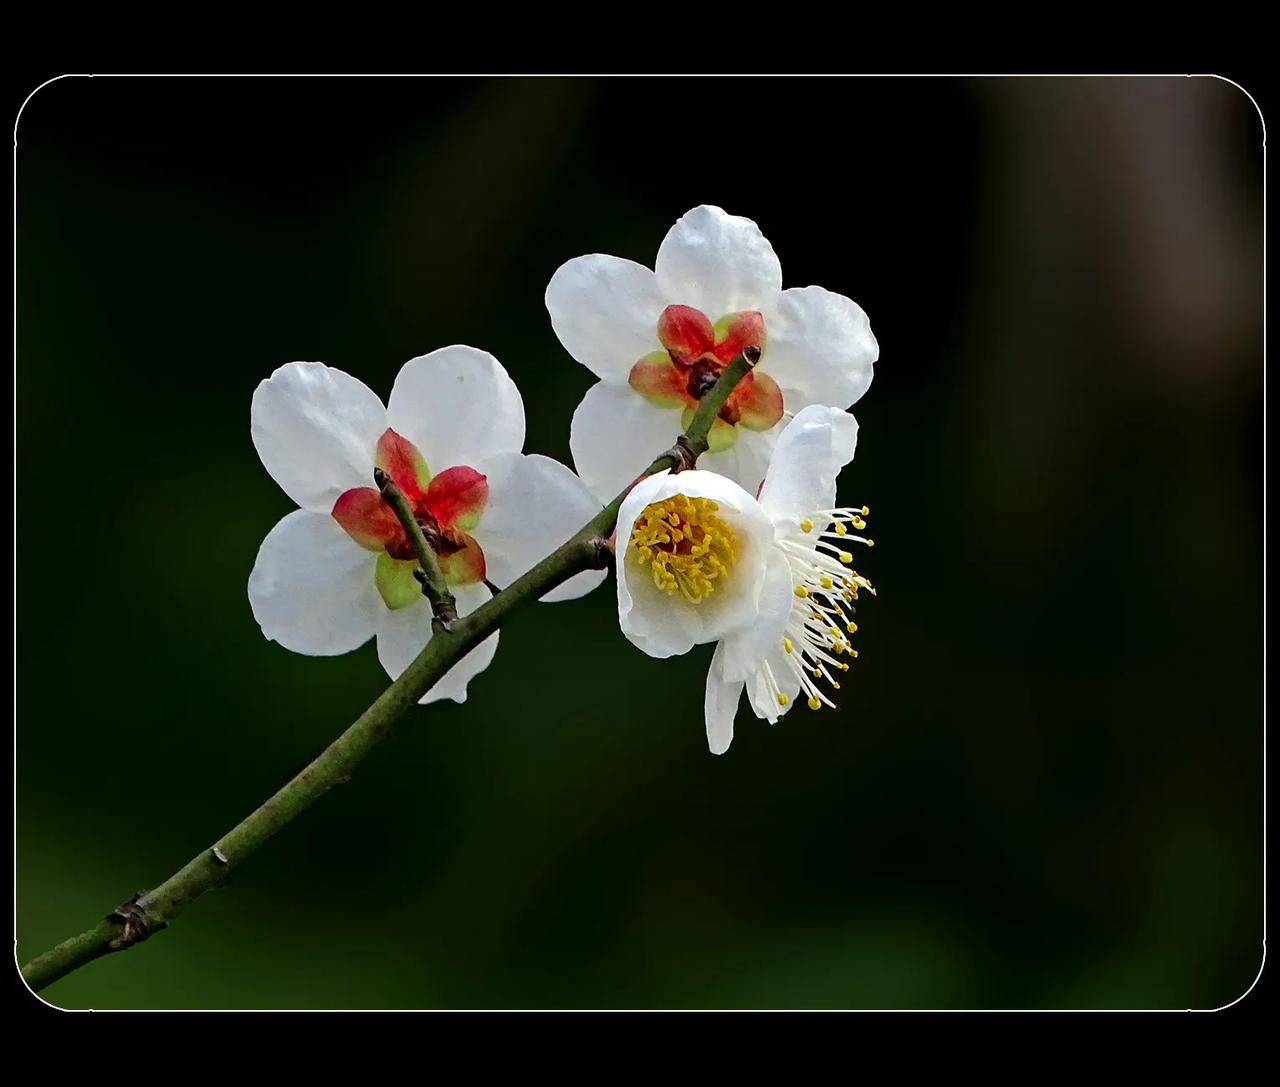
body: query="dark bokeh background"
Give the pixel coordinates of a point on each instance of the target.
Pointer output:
(1044, 786)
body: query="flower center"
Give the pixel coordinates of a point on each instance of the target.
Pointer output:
(685, 544)
(694, 354)
(446, 506)
(819, 629)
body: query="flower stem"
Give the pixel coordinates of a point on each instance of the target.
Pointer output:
(148, 912)
(434, 587)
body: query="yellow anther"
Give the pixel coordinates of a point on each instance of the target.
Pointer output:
(806, 525)
(815, 704)
(853, 628)
(840, 529)
(834, 632)
(782, 699)
(844, 556)
(801, 591)
(786, 645)
(835, 684)
(826, 582)
(866, 511)
(852, 653)
(859, 524)
(686, 560)
(871, 543)
(817, 673)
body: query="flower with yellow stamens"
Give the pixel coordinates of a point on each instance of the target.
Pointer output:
(768, 579)
(692, 554)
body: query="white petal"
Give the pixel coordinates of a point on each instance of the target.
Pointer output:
(811, 450)
(747, 460)
(820, 344)
(605, 311)
(316, 429)
(615, 435)
(775, 673)
(665, 624)
(535, 504)
(763, 699)
(720, 705)
(312, 587)
(742, 653)
(404, 633)
(718, 263)
(458, 406)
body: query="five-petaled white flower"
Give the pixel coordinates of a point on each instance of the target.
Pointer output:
(659, 339)
(700, 560)
(339, 570)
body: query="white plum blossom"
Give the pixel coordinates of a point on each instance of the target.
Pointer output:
(658, 339)
(699, 560)
(693, 555)
(340, 569)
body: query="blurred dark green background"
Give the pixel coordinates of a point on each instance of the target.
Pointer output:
(1044, 786)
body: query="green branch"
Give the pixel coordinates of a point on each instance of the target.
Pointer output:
(148, 912)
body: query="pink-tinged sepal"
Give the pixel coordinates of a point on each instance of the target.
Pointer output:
(461, 560)
(686, 333)
(400, 459)
(756, 403)
(736, 331)
(369, 520)
(395, 581)
(660, 381)
(457, 497)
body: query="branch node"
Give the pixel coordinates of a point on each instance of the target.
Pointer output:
(136, 926)
(444, 609)
(604, 551)
(683, 457)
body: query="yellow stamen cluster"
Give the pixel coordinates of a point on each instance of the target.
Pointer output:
(686, 545)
